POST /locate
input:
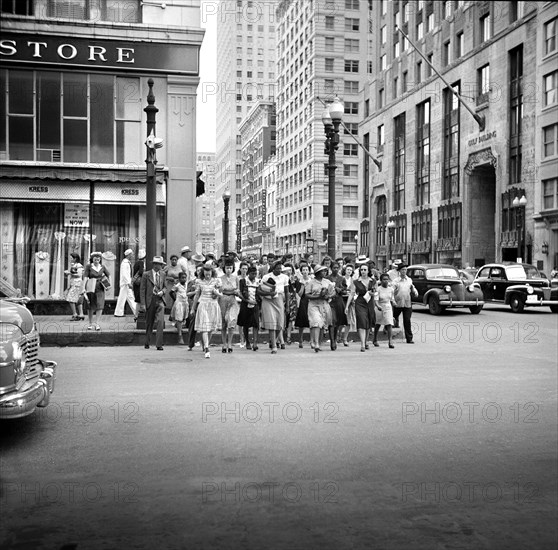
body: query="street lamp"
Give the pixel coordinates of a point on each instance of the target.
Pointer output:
(226, 199)
(286, 247)
(391, 228)
(519, 205)
(356, 245)
(331, 119)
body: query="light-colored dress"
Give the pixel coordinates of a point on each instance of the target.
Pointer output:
(180, 308)
(384, 297)
(273, 307)
(75, 281)
(319, 310)
(208, 315)
(228, 303)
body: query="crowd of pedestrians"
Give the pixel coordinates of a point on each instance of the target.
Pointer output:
(206, 295)
(273, 294)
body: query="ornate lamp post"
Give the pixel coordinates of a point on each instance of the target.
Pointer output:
(519, 205)
(391, 228)
(226, 199)
(356, 245)
(331, 119)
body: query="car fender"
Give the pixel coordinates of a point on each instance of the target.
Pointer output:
(436, 291)
(515, 289)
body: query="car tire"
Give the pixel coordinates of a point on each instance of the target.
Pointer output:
(554, 309)
(517, 303)
(434, 306)
(475, 309)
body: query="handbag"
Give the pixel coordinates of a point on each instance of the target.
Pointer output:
(105, 282)
(90, 285)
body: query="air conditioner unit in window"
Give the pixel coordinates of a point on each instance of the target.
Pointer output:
(49, 155)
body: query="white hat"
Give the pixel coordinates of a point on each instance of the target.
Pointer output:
(141, 254)
(185, 249)
(128, 251)
(362, 259)
(158, 260)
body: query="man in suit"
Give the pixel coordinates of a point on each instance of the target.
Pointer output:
(153, 301)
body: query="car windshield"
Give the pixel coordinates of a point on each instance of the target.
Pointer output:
(533, 272)
(442, 273)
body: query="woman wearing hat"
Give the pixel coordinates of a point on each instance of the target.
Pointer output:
(94, 273)
(362, 291)
(208, 314)
(319, 291)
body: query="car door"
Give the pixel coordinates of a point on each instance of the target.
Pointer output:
(499, 283)
(483, 279)
(418, 277)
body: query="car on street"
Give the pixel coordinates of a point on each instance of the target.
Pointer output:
(516, 285)
(26, 380)
(440, 286)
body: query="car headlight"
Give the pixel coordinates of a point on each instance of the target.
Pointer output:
(530, 289)
(447, 289)
(471, 287)
(11, 352)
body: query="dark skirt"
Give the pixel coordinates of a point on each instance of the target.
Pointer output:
(248, 316)
(338, 311)
(301, 320)
(364, 311)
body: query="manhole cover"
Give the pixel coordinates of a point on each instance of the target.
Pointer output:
(167, 360)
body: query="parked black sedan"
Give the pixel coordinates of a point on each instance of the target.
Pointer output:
(440, 286)
(517, 285)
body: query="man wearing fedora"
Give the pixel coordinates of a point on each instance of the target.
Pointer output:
(126, 293)
(404, 290)
(153, 301)
(185, 262)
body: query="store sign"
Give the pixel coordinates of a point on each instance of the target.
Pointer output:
(480, 139)
(83, 52)
(76, 215)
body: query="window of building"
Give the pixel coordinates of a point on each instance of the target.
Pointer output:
(448, 9)
(350, 170)
(383, 63)
(352, 24)
(550, 194)
(350, 191)
(420, 30)
(516, 114)
(329, 64)
(395, 87)
(550, 36)
(399, 162)
(449, 223)
(325, 211)
(550, 141)
(351, 128)
(17, 7)
(422, 189)
(329, 86)
(366, 108)
(421, 226)
(97, 121)
(351, 66)
(418, 72)
(550, 88)
(329, 44)
(483, 84)
(430, 23)
(369, 67)
(348, 236)
(450, 188)
(352, 4)
(383, 35)
(380, 139)
(404, 81)
(351, 107)
(350, 211)
(446, 53)
(351, 87)
(351, 45)
(517, 10)
(329, 22)
(381, 98)
(485, 27)
(95, 10)
(430, 58)
(396, 50)
(459, 45)
(350, 149)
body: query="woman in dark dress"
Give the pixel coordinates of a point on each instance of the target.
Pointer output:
(363, 289)
(301, 321)
(337, 305)
(139, 268)
(249, 315)
(94, 272)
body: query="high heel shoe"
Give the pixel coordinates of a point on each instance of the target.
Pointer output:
(282, 346)
(391, 346)
(254, 348)
(375, 344)
(300, 345)
(230, 350)
(346, 344)
(224, 350)
(362, 348)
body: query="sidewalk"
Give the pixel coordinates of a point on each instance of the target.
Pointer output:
(58, 330)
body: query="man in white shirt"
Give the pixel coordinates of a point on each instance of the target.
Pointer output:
(186, 264)
(404, 290)
(126, 293)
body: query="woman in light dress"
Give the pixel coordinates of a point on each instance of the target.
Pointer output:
(74, 294)
(319, 291)
(208, 314)
(385, 302)
(229, 306)
(180, 307)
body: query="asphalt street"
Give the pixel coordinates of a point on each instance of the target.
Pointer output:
(450, 443)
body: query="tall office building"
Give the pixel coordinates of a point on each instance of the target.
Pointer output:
(205, 205)
(322, 52)
(246, 75)
(451, 185)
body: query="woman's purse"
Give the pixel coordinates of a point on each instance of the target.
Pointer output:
(90, 285)
(105, 282)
